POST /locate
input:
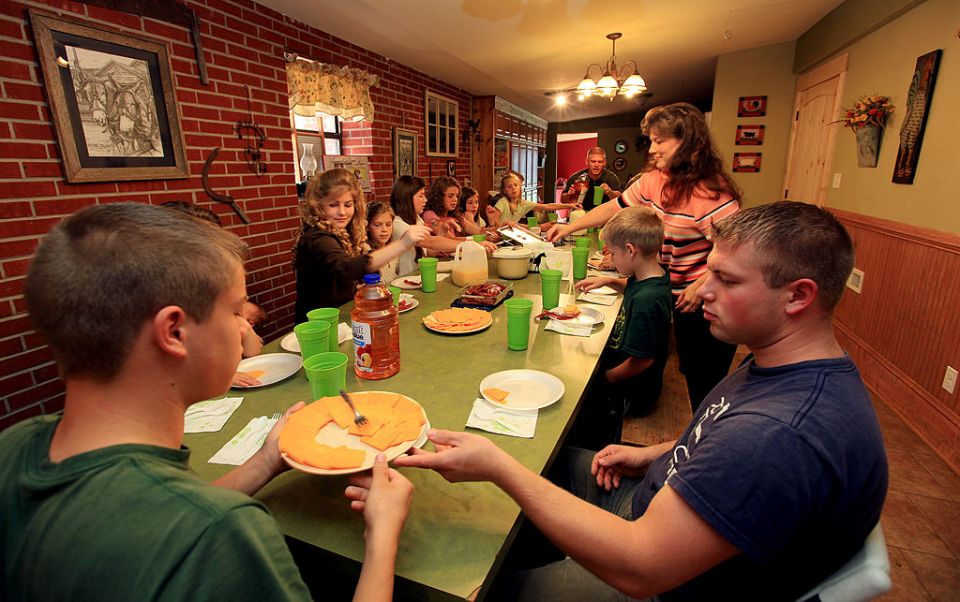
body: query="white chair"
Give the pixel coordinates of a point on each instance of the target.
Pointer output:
(864, 577)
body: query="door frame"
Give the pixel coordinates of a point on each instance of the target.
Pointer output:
(835, 67)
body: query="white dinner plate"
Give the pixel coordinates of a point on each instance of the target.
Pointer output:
(604, 290)
(404, 282)
(528, 389)
(588, 317)
(276, 366)
(407, 302)
(334, 436)
(290, 343)
(444, 266)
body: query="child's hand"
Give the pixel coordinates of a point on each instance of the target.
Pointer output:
(382, 495)
(488, 246)
(242, 379)
(415, 234)
(588, 284)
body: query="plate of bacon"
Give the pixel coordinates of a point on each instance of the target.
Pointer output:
(407, 282)
(407, 302)
(573, 314)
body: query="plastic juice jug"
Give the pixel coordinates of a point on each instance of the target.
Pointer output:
(376, 331)
(469, 264)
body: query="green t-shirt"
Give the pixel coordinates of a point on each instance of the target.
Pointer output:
(642, 330)
(130, 522)
(506, 215)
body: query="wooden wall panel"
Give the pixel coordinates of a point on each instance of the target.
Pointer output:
(903, 329)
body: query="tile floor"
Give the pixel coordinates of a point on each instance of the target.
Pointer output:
(921, 517)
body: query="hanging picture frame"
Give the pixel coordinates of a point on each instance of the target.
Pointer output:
(750, 135)
(915, 116)
(404, 153)
(752, 106)
(111, 101)
(746, 162)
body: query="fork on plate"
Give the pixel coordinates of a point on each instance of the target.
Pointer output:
(358, 418)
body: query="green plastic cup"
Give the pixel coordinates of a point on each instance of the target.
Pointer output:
(582, 242)
(552, 216)
(597, 195)
(330, 315)
(479, 237)
(550, 287)
(532, 222)
(518, 323)
(327, 373)
(312, 337)
(428, 274)
(580, 256)
(395, 291)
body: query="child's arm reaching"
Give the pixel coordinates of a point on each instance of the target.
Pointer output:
(411, 236)
(629, 368)
(588, 284)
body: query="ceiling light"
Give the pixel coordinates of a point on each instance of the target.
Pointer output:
(613, 80)
(560, 99)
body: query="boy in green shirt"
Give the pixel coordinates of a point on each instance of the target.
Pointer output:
(631, 369)
(142, 309)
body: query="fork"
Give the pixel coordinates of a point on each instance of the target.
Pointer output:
(358, 418)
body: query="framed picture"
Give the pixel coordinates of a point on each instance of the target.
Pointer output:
(750, 135)
(314, 143)
(752, 106)
(112, 101)
(915, 117)
(746, 162)
(452, 168)
(404, 153)
(359, 166)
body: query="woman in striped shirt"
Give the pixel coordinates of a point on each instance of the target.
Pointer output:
(689, 189)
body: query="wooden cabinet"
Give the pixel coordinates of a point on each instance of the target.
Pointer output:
(509, 138)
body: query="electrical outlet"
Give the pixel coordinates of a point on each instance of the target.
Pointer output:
(836, 179)
(855, 281)
(950, 379)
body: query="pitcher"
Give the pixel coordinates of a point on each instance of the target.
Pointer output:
(469, 264)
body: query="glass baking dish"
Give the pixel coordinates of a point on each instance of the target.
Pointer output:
(484, 293)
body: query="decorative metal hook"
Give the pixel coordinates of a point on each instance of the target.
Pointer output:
(253, 150)
(226, 199)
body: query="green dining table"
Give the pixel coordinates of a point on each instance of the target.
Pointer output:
(456, 534)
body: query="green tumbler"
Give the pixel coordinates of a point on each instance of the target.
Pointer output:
(532, 222)
(395, 292)
(582, 242)
(597, 195)
(327, 373)
(580, 256)
(550, 287)
(518, 323)
(330, 315)
(312, 337)
(428, 274)
(479, 237)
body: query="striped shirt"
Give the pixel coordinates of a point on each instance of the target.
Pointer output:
(686, 228)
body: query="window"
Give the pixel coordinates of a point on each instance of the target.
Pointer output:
(308, 131)
(440, 125)
(525, 162)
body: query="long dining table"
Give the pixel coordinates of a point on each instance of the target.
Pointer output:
(456, 534)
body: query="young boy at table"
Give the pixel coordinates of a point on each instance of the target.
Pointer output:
(100, 503)
(772, 487)
(631, 368)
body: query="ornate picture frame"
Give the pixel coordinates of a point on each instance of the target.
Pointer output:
(404, 153)
(915, 114)
(111, 100)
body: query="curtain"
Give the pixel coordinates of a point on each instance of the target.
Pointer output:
(318, 87)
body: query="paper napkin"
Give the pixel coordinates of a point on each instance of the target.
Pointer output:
(598, 299)
(245, 443)
(442, 276)
(344, 332)
(493, 419)
(209, 416)
(580, 330)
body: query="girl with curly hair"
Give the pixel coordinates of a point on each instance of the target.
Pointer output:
(690, 190)
(331, 253)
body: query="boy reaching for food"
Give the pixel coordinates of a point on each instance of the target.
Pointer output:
(631, 367)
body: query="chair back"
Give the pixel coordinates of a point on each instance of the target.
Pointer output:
(864, 577)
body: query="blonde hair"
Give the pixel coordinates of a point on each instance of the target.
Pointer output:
(510, 175)
(639, 226)
(373, 210)
(326, 187)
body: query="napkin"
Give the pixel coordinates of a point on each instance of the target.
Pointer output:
(557, 259)
(580, 330)
(245, 443)
(502, 421)
(443, 276)
(209, 416)
(344, 332)
(598, 299)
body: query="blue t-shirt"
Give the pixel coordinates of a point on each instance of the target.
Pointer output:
(788, 465)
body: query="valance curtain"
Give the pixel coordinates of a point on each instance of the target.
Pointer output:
(318, 87)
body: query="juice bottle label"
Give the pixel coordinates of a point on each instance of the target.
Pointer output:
(363, 346)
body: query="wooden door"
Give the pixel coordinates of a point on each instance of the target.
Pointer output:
(812, 137)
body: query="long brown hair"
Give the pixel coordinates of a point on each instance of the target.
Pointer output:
(435, 196)
(326, 187)
(697, 162)
(401, 197)
(373, 210)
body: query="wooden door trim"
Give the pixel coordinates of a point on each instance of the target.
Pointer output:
(836, 67)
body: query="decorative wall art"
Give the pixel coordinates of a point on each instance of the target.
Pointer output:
(404, 153)
(112, 101)
(357, 165)
(746, 162)
(452, 168)
(752, 106)
(750, 135)
(915, 117)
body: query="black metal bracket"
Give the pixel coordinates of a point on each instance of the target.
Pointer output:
(226, 199)
(254, 147)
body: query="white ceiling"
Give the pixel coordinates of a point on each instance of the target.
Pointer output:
(522, 49)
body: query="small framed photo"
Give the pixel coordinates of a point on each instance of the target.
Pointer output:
(752, 106)
(112, 101)
(749, 135)
(746, 162)
(452, 168)
(404, 153)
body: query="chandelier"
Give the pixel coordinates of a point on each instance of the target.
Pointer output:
(623, 80)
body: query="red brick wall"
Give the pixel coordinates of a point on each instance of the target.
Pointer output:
(243, 45)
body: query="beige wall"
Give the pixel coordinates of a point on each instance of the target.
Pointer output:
(765, 71)
(883, 63)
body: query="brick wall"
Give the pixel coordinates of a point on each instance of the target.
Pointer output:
(243, 45)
